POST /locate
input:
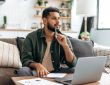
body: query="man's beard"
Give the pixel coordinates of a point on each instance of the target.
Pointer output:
(51, 28)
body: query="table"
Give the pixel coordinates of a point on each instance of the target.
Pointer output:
(105, 80)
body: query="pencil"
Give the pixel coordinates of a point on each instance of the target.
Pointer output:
(55, 32)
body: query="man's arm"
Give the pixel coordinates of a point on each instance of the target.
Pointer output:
(39, 68)
(26, 55)
(27, 59)
(70, 56)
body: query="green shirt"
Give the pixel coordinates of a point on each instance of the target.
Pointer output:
(34, 48)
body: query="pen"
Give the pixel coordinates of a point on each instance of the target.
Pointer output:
(56, 32)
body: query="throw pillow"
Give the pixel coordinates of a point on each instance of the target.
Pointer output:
(20, 41)
(100, 50)
(82, 48)
(9, 55)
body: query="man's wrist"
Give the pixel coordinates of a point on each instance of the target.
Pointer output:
(34, 65)
(66, 46)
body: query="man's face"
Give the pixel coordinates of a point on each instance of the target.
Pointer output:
(50, 27)
(53, 21)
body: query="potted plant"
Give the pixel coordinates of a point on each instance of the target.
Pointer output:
(85, 36)
(69, 4)
(62, 5)
(46, 2)
(39, 2)
(4, 22)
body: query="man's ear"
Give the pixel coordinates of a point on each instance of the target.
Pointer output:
(44, 20)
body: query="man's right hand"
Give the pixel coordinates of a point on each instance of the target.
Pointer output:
(40, 69)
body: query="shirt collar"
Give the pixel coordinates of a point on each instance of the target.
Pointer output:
(42, 34)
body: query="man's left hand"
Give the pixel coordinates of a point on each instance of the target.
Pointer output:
(62, 39)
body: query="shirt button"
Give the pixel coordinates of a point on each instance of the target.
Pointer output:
(51, 51)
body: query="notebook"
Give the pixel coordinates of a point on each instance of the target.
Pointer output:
(87, 70)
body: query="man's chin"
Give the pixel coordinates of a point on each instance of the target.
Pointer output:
(51, 29)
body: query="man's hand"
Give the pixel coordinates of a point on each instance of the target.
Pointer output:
(41, 70)
(62, 39)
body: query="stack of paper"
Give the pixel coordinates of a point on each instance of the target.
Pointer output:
(38, 81)
(56, 75)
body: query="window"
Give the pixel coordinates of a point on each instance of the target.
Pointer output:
(103, 14)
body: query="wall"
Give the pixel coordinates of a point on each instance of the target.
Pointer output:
(20, 16)
(13, 34)
(19, 13)
(76, 20)
(101, 36)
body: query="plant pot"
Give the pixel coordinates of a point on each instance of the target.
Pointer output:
(39, 2)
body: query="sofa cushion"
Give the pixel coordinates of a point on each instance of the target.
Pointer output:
(100, 50)
(9, 55)
(20, 41)
(82, 48)
(7, 71)
(9, 40)
(6, 74)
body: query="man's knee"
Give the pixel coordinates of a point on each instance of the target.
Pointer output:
(24, 71)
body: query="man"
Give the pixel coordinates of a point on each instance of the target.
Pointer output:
(44, 49)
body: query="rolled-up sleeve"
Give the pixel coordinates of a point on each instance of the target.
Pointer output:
(73, 63)
(26, 55)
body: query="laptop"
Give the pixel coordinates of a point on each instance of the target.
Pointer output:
(87, 70)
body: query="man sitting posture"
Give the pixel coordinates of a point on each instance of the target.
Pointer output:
(45, 49)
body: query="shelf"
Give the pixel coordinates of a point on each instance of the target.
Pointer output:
(64, 8)
(66, 17)
(63, 5)
(40, 7)
(29, 30)
(70, 31)
(39, 16)
(24, 30)
(64, 0)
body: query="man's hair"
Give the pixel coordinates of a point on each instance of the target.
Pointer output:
(46, 11)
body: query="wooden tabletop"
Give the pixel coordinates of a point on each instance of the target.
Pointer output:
(105, 80)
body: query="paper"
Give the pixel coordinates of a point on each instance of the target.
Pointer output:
(56, 75)
(38, 81)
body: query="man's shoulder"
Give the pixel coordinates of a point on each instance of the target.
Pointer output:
(34, 33)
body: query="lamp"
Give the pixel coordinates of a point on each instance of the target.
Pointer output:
(2, 1)
(86, 8)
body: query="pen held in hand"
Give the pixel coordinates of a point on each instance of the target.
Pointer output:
(55, 33)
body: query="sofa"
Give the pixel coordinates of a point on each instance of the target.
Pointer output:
(81, 49)
(7, 72)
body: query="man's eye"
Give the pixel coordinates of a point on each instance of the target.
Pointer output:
(53, 18)
(56, 18)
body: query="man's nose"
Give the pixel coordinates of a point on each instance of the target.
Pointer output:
(58, 21)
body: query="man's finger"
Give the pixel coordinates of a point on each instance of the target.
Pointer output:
(38, 73)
